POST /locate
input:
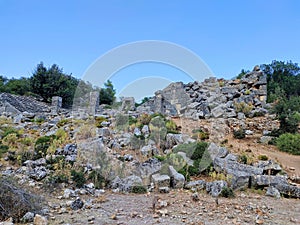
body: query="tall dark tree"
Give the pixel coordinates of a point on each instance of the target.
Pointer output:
(283, 78)
(107, 94)
(19, 86)
(49, 82)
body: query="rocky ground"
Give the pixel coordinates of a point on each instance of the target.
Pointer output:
(177, 207)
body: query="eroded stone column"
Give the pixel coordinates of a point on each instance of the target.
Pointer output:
(93, 102)
(56, 104)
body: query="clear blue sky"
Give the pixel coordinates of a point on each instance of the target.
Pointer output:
(227, 35)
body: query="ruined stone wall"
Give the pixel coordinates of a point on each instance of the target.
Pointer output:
(213, 98)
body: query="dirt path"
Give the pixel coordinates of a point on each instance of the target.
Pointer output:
(179, 208)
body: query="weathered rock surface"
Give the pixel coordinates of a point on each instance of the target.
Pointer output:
(126, 184)
(215, 188)
(176, 179)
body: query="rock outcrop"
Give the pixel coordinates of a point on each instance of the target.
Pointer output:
(212, 98)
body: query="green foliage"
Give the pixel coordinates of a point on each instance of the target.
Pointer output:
(242, 73)
(144, 100)
(160, 158)
(132, 120)
(263, 157)
(158, 130)
(287, 111)
(49, 82)
(243, 107)
(247, 92)
(171, 127)
(289, 143)
(197, 152)
(107, 94)
(144, 119)
(99, 120)
(3, 149)
(19, 86)
(199, 134)
(139, 189)
(9, 130)
(243, 159)
(98, 180)
(78, 178)
(239, 134)
(283, 79)
(57, 179)
(42, 144)
(227, 192)
(193, 150)
(63, 122)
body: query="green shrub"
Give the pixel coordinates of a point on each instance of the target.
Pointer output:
(132, 120)
(175, 160)
(200, 134)
(139, 189)
(243, 159)
(239, 134)
(247, 92)
(3, 149)
(62, 122)
(99, 120)
(41, 145)
(193, 150)
(9, 130)
(57, 179)
(98, 180)
(160, 158)
(171, 127)
(227, 192)
(263, 157)
(289, 143)
(243, 107)
(78, 178)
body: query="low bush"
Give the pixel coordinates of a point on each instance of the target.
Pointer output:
(139, 189)
(98, 180)
(3, 149)
(99, 120)
(41, 146)
(227, 192)
(263, 157)
(78, 178)
(9, 130)
(193, 150)
(239, 134)
(160, 158)
(243, 159)
(289, 143)
(243, 107)
(171, 127)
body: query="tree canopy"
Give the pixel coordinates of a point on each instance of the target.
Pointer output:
(48, 82)
(107, 94)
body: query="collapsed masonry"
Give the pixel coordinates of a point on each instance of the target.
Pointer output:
(14, 104)
(212, 98)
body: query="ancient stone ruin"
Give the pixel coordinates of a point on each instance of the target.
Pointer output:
(212, 98)
(56, 104)
(14, 104)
